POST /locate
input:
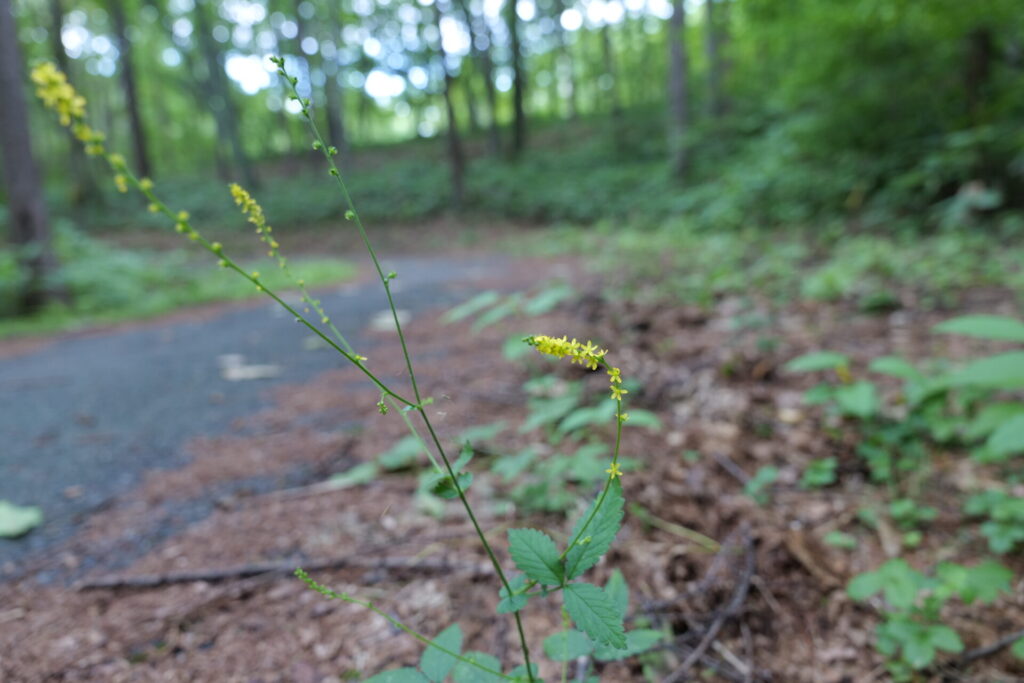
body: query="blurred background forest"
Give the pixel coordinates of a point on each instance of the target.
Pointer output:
(658, 121)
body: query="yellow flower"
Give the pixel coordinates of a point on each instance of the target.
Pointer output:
(587, 354)
(145, 184)
(57, 94)
(614, 471)
(121, 182)
(616, 375)
(617, 393)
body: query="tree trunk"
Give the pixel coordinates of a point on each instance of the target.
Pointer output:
(518, 82)
(334, 98)
(128, 82)
(220, 97)
(608, 57)
(486, 68)
(456, 159)
(678, 91)
(29, 229)
(565, 57)
(83, 184)
(717, 105)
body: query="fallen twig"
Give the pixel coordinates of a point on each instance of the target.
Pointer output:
(738, 597)
(280, 566)
(990, 649)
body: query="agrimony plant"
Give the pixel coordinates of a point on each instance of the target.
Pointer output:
(544, 569)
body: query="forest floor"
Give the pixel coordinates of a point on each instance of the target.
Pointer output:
(185, 575)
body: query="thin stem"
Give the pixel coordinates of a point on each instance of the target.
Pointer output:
(345, 597)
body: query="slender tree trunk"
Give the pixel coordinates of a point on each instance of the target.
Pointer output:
(678, 91)
(456, 158)
(565, 57)
(129, 83)
(220, 97)
(608, 57)
(84, 188)
(486, 69)
(518, 81)
(334, 98)
(29, 228)
(717, 105)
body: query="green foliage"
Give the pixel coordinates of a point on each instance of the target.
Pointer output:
(819, 473)
(536, 555)
(759, 485)
(18, 520)
(912, 631)
(436, 665)
(594, 532)
(1004, 527)
(592, 610)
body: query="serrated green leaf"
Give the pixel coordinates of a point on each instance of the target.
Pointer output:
(406, 675)
(1008, 437)
(819, 360)
(474, 305)
(17, 520)
(894, 367)
(997, 327)
(859, 399)
(436, 664)
(506, 604)
(467, 673)
(536, 555)
(618, 592)
(566, 646)
(1001, 371)
(595, 614)
(598, 535)
(363, 473)
(637, 641)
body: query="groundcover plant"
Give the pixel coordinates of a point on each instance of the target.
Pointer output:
(593, 616)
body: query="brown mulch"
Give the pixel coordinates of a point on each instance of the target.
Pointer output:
(769, 606)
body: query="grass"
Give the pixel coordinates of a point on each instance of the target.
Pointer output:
(109, 285)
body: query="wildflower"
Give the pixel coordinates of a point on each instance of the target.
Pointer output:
(57, 94)
(614, 471)
(154, 207)
(146, 185)
(587, 354)
(616, 375)
(382, 407)
(623, 417)
(617, 393)
(121, 182)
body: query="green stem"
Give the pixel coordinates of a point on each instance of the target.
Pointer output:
(345, 597)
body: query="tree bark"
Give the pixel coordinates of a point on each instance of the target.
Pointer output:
(518, 82)
(678, 91)
(717, 105)
(29, 227)
(84, 188)
(485, 66)
(220, 100)
(456, 158)
(334, 98)
(565, 57)
(129, 83)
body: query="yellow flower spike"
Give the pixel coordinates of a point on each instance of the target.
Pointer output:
(587, 354)
(121, 182)
(614, 471)
(146, 185)
(57, 94)
(617, 393)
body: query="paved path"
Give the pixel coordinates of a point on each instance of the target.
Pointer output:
(96, 412)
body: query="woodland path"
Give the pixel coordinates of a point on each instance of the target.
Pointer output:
(84, 417)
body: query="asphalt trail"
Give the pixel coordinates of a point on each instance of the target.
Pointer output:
(92, 414)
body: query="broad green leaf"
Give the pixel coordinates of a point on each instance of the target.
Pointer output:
(467, 673)
(585, 417)
(17, 520)
(618, 592)
(983, 582)
(894, 367)
(436, 664)
(863, 586)
(1008, 438)
(918, 651)
(547, 299)
(544, 411)
(819, 360)
(990, 417)
(859, 399)
(643, 418)
(637, 641)
(1001, 371)
(839, 539)
(945, 638)
(509, 467)
(441, 485)
(566, 646)
(519, 673)
(402, 455)
(503, 310)
(406, 675)
(595, 614)
(536, 555)
(984, 327)
(474, 305)
(482, 433)
(506, 604)
(363, 473)
(598, 535)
